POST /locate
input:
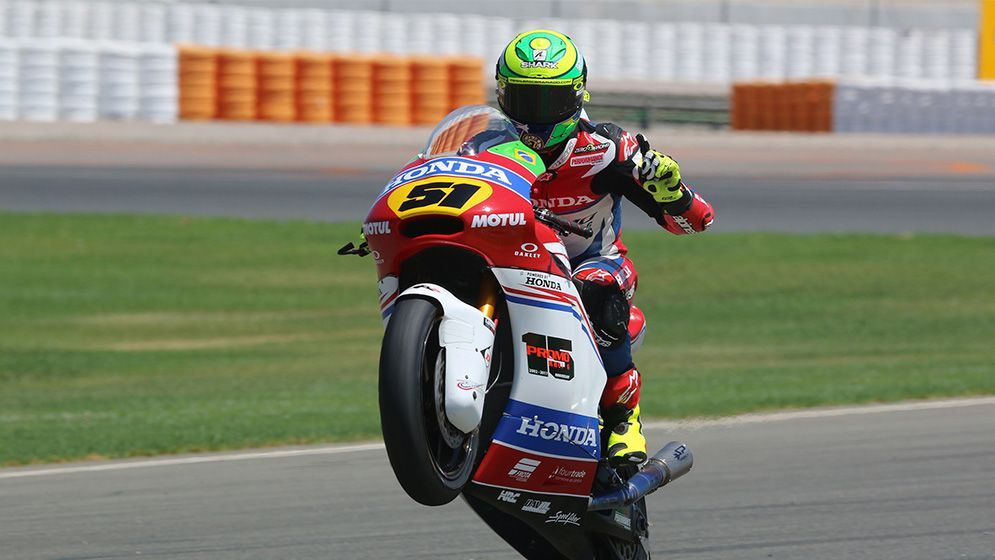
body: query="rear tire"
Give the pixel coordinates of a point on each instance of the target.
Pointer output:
(431, 459)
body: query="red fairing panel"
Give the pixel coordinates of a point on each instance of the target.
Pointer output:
(497, 218)
(695, 219)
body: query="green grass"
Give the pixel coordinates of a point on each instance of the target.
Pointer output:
(128, 336)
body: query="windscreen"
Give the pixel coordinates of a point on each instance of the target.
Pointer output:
(468, 131)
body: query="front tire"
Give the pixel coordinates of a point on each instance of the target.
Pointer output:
(431, 459)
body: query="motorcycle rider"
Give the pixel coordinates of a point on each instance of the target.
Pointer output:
(541, 86)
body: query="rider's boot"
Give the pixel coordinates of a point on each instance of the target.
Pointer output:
(620, 406)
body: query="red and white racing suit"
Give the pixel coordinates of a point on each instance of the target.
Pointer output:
(586, 183)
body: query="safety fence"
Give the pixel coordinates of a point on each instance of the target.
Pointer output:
(616, 49)
(865, 105)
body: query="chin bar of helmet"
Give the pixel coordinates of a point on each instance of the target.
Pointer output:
(669, 464)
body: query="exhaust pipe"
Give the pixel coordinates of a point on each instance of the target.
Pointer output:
(669, 464)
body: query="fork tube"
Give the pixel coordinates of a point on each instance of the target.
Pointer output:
(488, 296)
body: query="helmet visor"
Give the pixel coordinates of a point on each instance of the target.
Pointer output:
(540, 104)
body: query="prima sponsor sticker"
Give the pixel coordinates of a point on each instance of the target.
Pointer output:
(523, 469)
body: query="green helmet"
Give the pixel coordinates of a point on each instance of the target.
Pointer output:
(541, 79)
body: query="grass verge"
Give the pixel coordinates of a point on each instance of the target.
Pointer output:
(130, 336)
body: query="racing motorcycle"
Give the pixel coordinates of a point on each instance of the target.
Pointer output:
(490, 379)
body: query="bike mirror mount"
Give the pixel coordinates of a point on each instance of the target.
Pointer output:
(350, 249)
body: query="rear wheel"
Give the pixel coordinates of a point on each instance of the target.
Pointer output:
(432, 460)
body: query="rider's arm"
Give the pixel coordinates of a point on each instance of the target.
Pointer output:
(638, 170)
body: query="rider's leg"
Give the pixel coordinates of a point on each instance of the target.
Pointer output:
(606, 287)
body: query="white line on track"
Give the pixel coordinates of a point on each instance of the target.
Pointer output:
(338, 449)
(693, 423)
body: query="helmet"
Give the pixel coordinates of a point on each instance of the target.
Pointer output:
(541, 79)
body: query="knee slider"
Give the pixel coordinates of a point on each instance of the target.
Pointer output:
(608, 310)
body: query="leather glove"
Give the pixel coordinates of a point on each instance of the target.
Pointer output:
(658, 174)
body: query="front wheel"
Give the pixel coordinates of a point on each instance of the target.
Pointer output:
(432, 460)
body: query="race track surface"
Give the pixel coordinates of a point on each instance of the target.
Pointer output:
(955, 204)
(887, 483)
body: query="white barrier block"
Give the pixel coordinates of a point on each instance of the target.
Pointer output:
(207, 25)
(773, 52)
(234, 27)
(128, 22)
(395, 31)
(369, 26)
(828, 51)
(153, 27)
(882, 51)
(911, 54)
(612, 59)
(100, 22)
(288, 27)
(717, 63)
(48, 22)
(75, 19)
(855, 49)
(636, 50)
(745, 52)
(937, 61)
(9, 82)
(663, 66)
(262, 28)
(314, 30)
(341, 31)
(474, 32)
(801, 52)
(964, 62)
(159, 91)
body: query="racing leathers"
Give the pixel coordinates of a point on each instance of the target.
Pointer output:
(585, 182)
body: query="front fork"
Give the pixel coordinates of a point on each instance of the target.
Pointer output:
(488, 297)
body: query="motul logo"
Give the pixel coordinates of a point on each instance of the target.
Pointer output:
(498, 220)
(376, 228)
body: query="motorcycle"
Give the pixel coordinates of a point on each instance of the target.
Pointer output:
(490, 378)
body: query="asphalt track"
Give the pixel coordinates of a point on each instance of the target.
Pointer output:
(882, 483)
(888, 484)
(955, 204)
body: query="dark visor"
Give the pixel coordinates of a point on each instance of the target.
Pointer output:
(540, 104)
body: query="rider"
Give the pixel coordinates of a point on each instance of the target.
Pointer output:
(541, 86)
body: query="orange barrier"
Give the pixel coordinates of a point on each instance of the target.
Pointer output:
(467, 84)
(392, 86)
(430, 89)
(790, 106)
(353, 89)
(314, 87)
(198, 92)
(277, 79)
(237, 85)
